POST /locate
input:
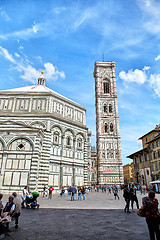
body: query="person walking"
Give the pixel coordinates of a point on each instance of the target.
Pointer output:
(150, 205)
(126, 196)
(133, 196)
(116, 192)
(17, 210)
(73, 192)
(83, 192)
(44, 191)
(50, 189)
(79, 194)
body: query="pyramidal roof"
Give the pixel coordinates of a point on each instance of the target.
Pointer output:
(39, 88)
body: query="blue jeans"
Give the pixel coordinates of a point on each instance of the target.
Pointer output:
(72, 196)
(80, 196)
(84, 196)
(44, 193)
(50, 196)
(116, 196)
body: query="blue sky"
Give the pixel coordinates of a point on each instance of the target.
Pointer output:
(65, 38)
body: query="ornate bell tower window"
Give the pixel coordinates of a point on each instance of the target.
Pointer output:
(68, 142)
(105, 128)
(106, 87)
(111, 127)
(56, 138)
(105, 108)
(110, 108)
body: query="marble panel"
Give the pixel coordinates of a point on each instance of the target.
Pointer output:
(21, 164)
(24, 178)
(16, 178)
(50, 181)
(15, 164)
(9, 164)
(28, 164)
(7, 178)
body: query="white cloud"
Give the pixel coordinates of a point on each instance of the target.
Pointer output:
(16, 54)
(6, 54)
(4, 15)
(157, 58)
(154, 82)
(146, 68)
(28, 72)
(137, 76)
(24, 33)
(52, 72)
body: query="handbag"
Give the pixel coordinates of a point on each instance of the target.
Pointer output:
(141, 212)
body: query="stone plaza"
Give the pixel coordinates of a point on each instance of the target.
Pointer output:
(98, 217)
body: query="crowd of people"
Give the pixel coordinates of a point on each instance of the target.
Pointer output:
(12, 209)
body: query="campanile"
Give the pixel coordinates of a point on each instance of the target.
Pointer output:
(110, 169)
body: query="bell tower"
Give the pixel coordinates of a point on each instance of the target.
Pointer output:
(110, 169)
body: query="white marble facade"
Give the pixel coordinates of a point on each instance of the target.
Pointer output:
(43, 139)
(107, 125)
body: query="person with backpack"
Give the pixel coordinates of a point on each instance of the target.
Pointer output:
(150, 206)
(115, 191)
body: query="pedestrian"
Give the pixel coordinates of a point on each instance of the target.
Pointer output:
(50, 189)
(44, 191)
(69, 190)
(1, 205)
(126, 196)
(79, 193)
(62, 192)
(17, 210)
(2, 228)
(133, 196)
(116, 192)
(73, 192)
(83, 192)
(150, 205)
(25, 195)
(8, 209)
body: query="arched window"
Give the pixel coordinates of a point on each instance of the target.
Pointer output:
(105, 128)
(103, 155)
(106, 87)
(110, 108)
(68, 141)
(105, 108)
(111, 127)
(79, 143)
(56, 138)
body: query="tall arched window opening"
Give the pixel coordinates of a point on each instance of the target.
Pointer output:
(110, 108)
(106, 87)
(105, 108)
(105, 128)
(111, 127)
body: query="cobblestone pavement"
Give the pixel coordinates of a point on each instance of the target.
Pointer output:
(98, 217)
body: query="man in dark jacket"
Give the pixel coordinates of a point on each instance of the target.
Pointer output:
(133, 196)
(126, 196)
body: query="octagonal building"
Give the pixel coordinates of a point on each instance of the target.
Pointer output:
(44, 139)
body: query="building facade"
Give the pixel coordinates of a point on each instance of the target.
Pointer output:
(147, 160)
(93, 166)
(128, 173)
(44, 139)
(110, 170)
